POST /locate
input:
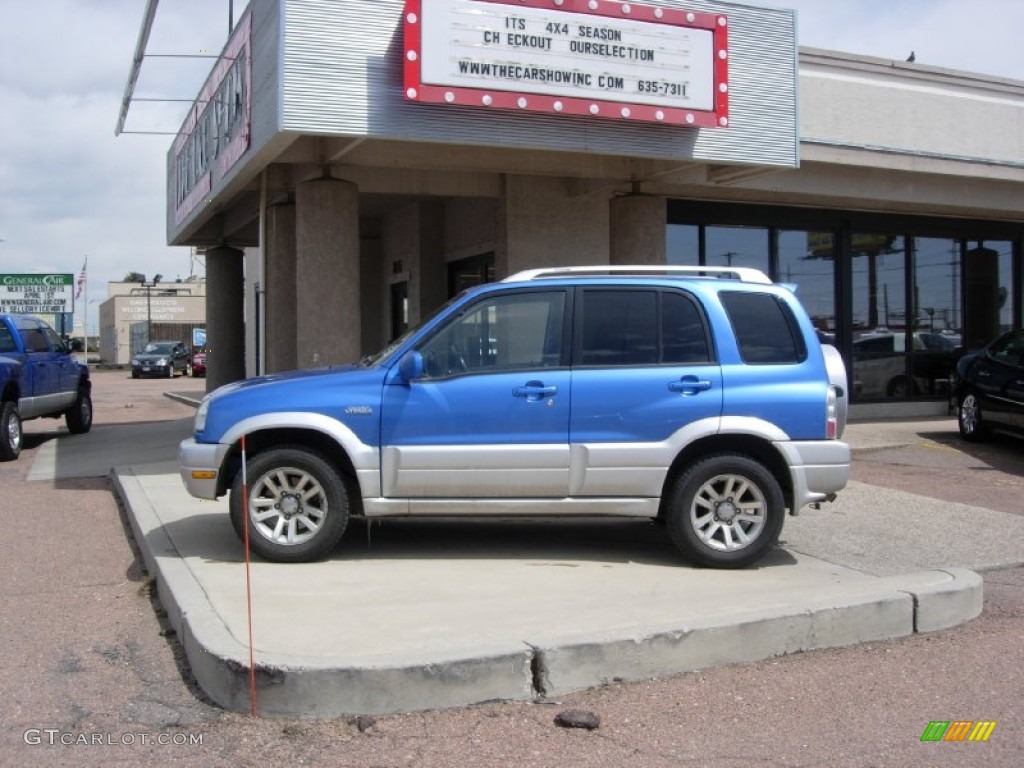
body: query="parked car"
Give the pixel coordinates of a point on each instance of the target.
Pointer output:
(990, 388)
(39, 378)
(199, 363)
(880, 364)
(162, 358)
(700, 397)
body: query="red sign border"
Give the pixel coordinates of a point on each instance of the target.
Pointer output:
(717, 23)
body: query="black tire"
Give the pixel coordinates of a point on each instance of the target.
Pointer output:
(10, 431)
(704, 521)
(135, 374)
(170, 371)
(969, 419)
(324, 504)
(79, 416)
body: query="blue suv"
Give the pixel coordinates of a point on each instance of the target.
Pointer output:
(697, 397)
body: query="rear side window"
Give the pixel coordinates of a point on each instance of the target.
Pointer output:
(641, 327)
(766, 331)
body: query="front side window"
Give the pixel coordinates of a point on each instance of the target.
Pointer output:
(500, 333)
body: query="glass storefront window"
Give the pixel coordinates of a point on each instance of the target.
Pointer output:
(682, 245)
(879, 316)
(936, 315)
(879, 282)
(808, 259)
(914, 301)
(937, 285)
(736, 247)
(988, 284)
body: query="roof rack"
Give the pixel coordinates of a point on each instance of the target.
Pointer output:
(743, 274)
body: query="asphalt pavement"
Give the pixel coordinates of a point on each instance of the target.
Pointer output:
(418, 614)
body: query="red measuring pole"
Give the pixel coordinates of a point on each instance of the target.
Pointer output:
(248, 583)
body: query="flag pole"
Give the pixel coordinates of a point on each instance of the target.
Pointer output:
(85, 318)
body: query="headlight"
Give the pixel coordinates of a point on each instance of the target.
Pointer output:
(200, 424)
(135, 361)
(162, 361)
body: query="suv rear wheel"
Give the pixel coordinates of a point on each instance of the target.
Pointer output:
(298, 505)
(725, 511)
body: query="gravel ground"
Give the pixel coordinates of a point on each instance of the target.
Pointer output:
(91, 677)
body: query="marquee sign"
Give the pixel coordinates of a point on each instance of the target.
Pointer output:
(596, 58)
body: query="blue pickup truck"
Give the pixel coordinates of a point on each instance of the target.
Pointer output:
(38, 377)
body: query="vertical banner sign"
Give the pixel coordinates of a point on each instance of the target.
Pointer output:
(597, 58)
(216, 132)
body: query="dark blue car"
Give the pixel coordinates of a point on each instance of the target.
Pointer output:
(990, 388)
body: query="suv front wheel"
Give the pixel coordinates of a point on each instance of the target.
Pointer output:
(298, 505)
(725, 511)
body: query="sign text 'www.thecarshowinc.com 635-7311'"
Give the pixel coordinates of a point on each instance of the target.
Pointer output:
(596, 58)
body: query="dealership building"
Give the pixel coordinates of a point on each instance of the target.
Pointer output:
(349, 166)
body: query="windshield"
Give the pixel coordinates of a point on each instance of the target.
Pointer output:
(377, 357)
(161, 348)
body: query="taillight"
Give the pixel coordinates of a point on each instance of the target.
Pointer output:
(832, 415)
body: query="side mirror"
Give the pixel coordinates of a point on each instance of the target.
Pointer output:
(411, 366)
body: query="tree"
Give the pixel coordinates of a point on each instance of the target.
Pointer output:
(138, 277)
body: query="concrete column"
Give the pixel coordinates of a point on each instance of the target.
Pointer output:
(636, 232)
(279, 273)
(327, 297)
(430, 280)
(546, 225)
(225, 320)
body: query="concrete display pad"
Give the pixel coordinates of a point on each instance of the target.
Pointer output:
(427, 614)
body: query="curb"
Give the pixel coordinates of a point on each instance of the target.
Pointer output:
(188, 398)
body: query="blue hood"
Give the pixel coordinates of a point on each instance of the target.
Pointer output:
(348, 393)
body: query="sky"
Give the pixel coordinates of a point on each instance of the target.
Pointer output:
(70, 189)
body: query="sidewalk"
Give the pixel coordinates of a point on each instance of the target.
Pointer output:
(425, 614)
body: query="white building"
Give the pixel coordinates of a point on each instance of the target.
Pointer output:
(134, 313)
(371, 159)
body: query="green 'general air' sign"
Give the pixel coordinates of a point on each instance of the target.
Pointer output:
(37, 294)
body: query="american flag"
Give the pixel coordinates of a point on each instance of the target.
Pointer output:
(81, 279)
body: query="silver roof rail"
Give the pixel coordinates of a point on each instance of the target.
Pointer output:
(743, 274)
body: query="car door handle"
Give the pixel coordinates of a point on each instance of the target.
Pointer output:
(534, 390)
(689, 385)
